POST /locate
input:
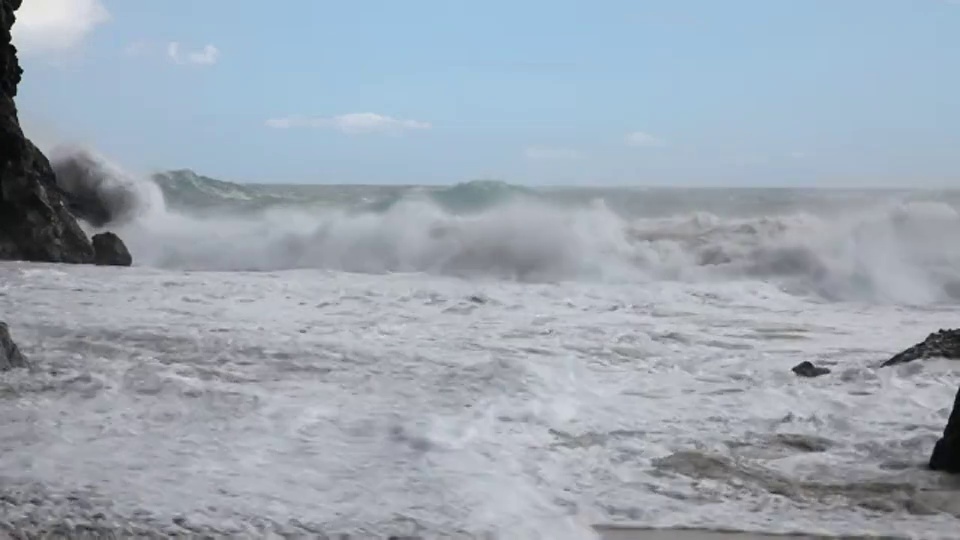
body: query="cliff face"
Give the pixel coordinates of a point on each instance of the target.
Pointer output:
(35, 223)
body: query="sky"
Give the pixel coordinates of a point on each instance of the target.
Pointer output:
(607, 92)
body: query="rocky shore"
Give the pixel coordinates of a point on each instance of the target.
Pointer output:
(36, 222)
(940, 344)
(41, 212)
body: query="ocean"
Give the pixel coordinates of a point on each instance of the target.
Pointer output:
(487, 360)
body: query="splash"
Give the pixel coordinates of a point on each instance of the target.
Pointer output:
(899, 252)
(98, 191)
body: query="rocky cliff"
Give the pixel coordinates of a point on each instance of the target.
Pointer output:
(35, 222)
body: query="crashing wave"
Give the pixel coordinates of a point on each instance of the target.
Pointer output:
(900, 252)
(99, 192)
(185, 189)
(463, 198)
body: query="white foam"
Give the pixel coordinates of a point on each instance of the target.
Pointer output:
(898, 254)
(891, 252)
(350, 400)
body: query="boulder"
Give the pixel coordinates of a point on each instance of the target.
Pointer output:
(109, 250)
(807, 369)
(10, 356)
(941, 344)
(946, 453)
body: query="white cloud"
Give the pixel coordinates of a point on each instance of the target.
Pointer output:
(351, 124)
(547, 153)
(136, 48)
(204, 57)
(639, 138)
(48, 26)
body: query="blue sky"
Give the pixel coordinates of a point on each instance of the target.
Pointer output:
(655, 92)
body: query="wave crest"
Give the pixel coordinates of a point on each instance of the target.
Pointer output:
(98, 191)
(900, 252)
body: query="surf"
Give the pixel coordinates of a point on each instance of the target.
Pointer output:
(892, 249)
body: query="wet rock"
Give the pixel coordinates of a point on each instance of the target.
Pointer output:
(807, 369)
(941, 344)
(109, 250)
(10, 355)
(35, 223)
(946, 453)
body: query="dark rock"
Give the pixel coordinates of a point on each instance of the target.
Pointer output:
(807, 369)
(946, 453)
(10, 356)
(35, 223)
(942, 344)
(109, 250)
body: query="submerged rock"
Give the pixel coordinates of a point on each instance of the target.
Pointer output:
(10, 355)
(807, 369)
(946, 453)
(109, 250)
(942, 344)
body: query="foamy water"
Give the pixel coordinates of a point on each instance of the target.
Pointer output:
(900, 251)
(528, 367)
(305, 400)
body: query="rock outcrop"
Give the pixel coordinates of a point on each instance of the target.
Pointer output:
(946, 453)
(942, 344)
(10, 355)
(36, 223)
(109, 250)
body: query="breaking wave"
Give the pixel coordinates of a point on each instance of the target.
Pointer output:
(894, 252)
(100, 192)
(464, 198)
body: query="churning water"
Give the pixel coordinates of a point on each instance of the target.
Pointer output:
(486, 359)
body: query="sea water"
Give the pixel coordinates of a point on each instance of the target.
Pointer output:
(486, 359)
